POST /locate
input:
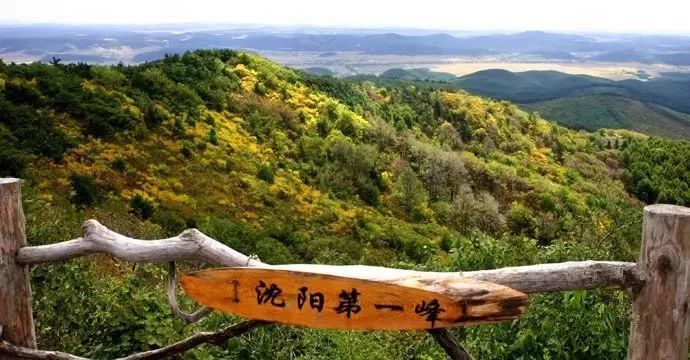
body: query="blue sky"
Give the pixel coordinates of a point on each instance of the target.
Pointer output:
(658, 16)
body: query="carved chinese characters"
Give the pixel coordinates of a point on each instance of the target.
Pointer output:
(326, 301)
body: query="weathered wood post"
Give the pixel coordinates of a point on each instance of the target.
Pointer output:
(660, 318)
(16, 318)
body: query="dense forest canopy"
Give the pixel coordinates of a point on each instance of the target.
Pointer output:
(658, 171)
(300, 168)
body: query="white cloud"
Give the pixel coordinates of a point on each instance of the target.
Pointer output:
(582, 15)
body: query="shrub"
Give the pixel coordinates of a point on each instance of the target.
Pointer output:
(266, 173)
(22, 92)
(213, 136)
(141, 207)
(186, 151)
(119, 164)
(260, 88)
(521, 220)
(12, 161)
(370, 195)
(346, 124)
(154, 115)
(85, 190)
(449, 137)
(409, 191)
(169, 220)
(179, 130)
(107, 76)
(352, 171)
(104, 115)
(479, 211)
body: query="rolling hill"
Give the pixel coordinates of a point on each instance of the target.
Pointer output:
(417, 74)
(599, 111)
(657, 107)
(528, 86)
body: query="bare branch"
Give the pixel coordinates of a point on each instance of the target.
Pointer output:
(613, 231)
(449, 344)
(217, 338)
(172, 300)
(28, 353)
(566, 276)
(189, 245)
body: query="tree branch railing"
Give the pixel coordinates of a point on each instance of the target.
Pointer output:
(193, 245)
(670, 224)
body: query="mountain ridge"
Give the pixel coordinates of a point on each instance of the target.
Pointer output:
(656, 106)
(151, 43)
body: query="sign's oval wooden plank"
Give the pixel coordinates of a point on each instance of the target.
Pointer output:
(334, 302)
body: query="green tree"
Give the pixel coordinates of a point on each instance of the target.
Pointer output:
(449, 137)
(409, 191)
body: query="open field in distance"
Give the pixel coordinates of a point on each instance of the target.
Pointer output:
(351, 63)
(613, 71)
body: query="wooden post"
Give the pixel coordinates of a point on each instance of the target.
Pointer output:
(660, 319)
(16, 318)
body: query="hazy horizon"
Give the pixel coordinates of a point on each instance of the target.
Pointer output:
(305, 28)
(587, 16)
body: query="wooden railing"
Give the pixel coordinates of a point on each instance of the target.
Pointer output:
(659, 283)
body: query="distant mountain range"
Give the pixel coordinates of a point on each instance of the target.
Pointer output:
(658, 106)
(139, 44)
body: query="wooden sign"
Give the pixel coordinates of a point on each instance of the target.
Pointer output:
(333, 302)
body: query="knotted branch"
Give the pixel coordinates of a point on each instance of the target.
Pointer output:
(216, 338)
(190, 245)
(172, 300)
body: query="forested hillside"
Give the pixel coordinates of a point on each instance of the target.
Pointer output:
(606, 111)
(655, 106)
(300, 168)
